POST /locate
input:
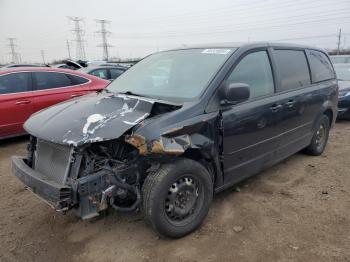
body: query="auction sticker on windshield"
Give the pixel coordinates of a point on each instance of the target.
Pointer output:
(216, 51)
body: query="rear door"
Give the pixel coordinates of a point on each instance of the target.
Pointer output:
(53, 87)
(16, 102)
(300, 100)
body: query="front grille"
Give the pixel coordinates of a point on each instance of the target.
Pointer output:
(52, 160)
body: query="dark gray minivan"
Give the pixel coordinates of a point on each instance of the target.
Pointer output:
(178, 127)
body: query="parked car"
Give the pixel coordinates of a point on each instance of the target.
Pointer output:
(340, 59)
(224, 114)
(108, 72)
(73, 65)
(343, 75)
(64, 66)
(24, 91)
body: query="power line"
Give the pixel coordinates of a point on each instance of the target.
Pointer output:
(79, 32)
(233, 9)
(14, 55)
(274, 22)
(260, 26)
(104, 33)
(303, 38)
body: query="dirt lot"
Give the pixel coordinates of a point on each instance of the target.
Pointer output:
(298, 210)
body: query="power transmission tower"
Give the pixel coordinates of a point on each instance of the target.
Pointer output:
(14, 55)
(104, 33)
(68, 48)
(42, 52)
(79, 32)
(338, 44)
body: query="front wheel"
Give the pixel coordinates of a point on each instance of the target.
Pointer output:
(320, 137)
(176, 197)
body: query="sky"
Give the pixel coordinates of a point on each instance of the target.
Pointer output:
(140, 27)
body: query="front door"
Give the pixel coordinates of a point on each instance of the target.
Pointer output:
(250, 128)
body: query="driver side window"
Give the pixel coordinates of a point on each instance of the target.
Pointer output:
(255, 70)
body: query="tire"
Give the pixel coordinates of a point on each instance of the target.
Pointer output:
(318, 144)
(185, 181)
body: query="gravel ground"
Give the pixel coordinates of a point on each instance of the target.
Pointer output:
(298, 210)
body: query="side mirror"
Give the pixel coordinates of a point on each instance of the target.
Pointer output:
(235, 93)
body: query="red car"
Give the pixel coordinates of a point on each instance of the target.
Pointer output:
(24, 91)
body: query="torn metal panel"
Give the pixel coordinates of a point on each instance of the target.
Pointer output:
(176, 140)
(92, 118)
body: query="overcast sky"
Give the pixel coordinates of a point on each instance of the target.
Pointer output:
(140, 27)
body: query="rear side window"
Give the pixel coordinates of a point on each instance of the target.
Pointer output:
(293, 68)
(14, 83)
(115, 72)
(101, 73)
(49, 80)
(321, 68)
(77, 80)
(255, 70)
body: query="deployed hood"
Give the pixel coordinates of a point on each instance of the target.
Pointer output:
(91, 118)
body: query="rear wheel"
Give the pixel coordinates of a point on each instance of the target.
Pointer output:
(320, 137)
(176, 198)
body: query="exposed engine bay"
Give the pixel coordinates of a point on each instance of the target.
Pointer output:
(100, 174)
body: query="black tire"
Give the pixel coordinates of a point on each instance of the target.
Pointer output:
(318, 144)
(173, 181)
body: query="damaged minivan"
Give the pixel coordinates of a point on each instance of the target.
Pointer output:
(178, 127)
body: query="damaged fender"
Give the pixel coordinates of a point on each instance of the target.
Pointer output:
(195, 133)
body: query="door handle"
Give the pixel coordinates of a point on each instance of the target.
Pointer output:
(76, 95)
(276, 108)
(22, 102)
(290, 103)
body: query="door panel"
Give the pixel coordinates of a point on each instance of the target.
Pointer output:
(250, 133)
(301, 100)
(16, 103)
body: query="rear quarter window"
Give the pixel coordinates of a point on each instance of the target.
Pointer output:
(321, 68)
(293, 69)
(77, 80)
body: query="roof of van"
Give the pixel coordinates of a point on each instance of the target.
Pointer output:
(249, 44)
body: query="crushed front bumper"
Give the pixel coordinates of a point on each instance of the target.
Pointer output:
(57, 195)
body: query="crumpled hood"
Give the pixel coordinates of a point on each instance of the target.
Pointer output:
(91, 118)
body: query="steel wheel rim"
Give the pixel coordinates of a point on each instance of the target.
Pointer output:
(182, 199)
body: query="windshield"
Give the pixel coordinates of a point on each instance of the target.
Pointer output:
(179, 75)
(343, 72)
